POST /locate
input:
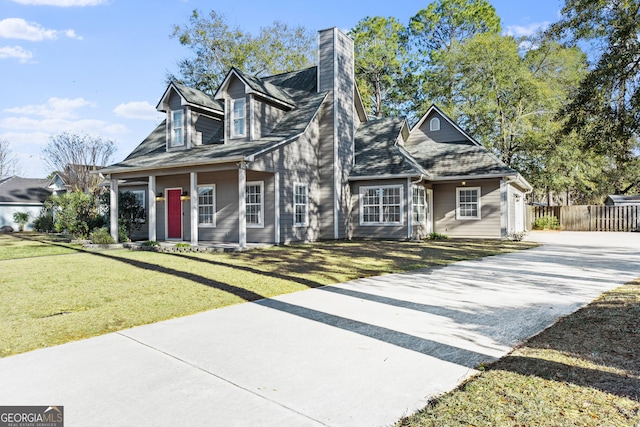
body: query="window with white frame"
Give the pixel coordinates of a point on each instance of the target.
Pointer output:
(177, 128)
(255, 203)
(238, 117)
(419, 205)
(468, 203)
(300, 205)
(381, 205)
(434, 124)
(207, 205)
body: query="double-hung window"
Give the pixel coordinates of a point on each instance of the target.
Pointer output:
(238, 124)
(177, 128)
(300, 205)
(419, 206)
(255, 204)
(381, 205)
(468, 203)
(207, 205)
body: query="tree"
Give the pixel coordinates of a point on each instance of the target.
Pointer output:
(76, 213)
(131, 213)
(21, 218)
(217, 47)
(8, 161)
(605, 110)
(433, 33)
(380, 46)
(75, 157)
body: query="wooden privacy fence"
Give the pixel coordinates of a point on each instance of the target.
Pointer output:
(589, 218)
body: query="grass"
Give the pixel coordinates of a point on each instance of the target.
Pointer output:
(53, 292)
(583, 371)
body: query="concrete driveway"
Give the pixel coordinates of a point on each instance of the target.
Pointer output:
(362, 353)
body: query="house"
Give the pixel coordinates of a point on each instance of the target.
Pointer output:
(619, 200)
(22, 195)
(293, 157)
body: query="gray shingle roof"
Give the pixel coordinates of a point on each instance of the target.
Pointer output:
(24, 190)
(197, 97)
(152, 154)
(459, 158)
(377, 153)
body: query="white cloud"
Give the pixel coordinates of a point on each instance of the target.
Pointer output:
(141, 110)
(526, 30)
(54, 108)
(15, 52)
(18, 28)
(56, 126)
(61, 3)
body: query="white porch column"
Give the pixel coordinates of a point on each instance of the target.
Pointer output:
(152, 208)
(194, 208)
(242, 207)
(113, 220)
(276, 191)
(504, 209)
(409, 209)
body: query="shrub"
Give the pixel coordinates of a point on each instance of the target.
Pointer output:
(436, 236)
(546, 222)
(76, 213)
(183, 245)
(44, 221)
(150, 243)
(101, 236)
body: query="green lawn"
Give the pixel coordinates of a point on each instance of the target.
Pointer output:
(52, 292)
(583, 371)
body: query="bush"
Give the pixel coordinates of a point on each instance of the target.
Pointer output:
(123, 236)
(150, 243)
(76, 214)
(44, 222)
(183, 245)
(546, 222)
(436, 236)
(101, 236)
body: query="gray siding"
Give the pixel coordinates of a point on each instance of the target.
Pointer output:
(265, 116)
(206, 129)
(444, 212)
(297, 163)
(336, 75)
(447, 132)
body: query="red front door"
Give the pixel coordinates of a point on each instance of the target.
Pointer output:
(174, 214)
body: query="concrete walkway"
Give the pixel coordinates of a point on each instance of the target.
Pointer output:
(362, 353)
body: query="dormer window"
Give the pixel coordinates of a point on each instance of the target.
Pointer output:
(238, 124)
(434, 124)
(177, 128)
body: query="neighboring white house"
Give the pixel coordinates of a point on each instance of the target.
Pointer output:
(22, 195)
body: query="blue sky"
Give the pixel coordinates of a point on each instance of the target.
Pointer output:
(100, 66)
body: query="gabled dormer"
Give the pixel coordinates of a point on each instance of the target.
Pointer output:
(193, 117)
(253, 106)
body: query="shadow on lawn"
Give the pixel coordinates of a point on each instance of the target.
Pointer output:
(606, 333)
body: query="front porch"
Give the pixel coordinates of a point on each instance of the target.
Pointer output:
(224, 207)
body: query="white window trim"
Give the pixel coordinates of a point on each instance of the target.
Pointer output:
(261, 184)
(424, 204)
(434, 124)
(306, 206)
(172, 143)
(244, 118)
(363, 189)
(213, 224)
(465, 218)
